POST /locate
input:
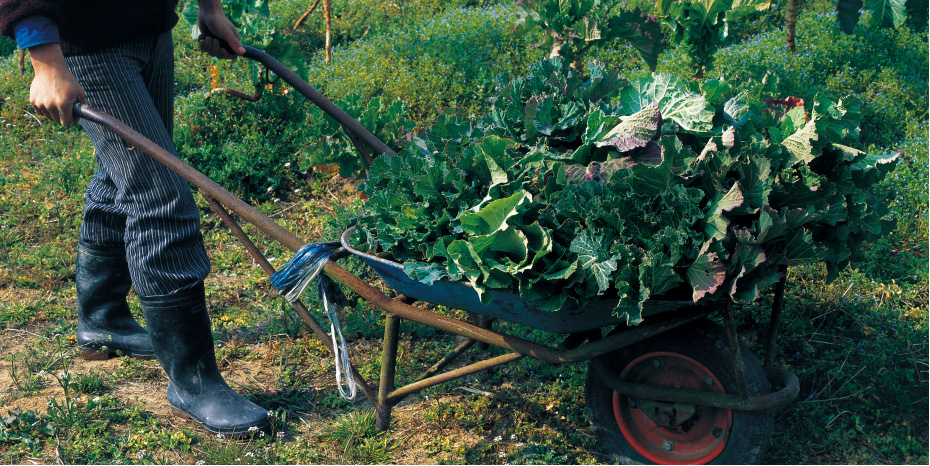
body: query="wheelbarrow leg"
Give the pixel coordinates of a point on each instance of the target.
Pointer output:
(778, 304)
(388, 363)
(739, 372)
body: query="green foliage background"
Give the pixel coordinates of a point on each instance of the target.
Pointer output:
(858, 344)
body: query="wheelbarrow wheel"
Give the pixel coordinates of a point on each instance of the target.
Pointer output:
(696, 357)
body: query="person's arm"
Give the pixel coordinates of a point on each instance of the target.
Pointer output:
(213, 21)
(54, 89)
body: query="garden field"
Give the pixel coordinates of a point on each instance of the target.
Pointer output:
(441, 78)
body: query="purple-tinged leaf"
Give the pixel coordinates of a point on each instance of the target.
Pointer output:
(676, 102)
(705, 275)
(634, 131)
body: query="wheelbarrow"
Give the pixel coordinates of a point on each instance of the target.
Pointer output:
(675, 389)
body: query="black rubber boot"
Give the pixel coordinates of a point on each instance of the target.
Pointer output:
(180, 330)
(105, 325)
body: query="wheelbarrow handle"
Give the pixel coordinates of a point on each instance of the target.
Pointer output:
(208, 186)
(301, 86)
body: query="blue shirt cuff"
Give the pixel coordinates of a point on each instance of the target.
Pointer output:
(36, 30)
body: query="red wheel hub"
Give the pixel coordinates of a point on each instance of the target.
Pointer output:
(663, 436)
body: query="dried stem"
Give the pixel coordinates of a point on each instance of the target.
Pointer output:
(306, 14)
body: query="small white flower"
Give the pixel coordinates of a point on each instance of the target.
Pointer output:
(200, 462)
(287, 164)
(270, 189)
(141, 454)
(513, 436)
(250, 454)
(253, 428)
(41, 373)
(296, 190)
(220, 436)
(498, 438)
(270, 413)
(280, 434)
(96, 399)
(502, 454)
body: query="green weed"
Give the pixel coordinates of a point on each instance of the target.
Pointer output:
(89, 383)
(361, 442)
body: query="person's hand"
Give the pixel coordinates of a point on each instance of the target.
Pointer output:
(54, 89)
(217, 29)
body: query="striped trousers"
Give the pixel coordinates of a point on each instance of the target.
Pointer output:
(133, 201)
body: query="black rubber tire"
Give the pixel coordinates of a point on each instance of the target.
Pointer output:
(705, 342)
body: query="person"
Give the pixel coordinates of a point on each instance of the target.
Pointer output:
(141, 225)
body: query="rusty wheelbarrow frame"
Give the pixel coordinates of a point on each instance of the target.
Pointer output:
(577, 347)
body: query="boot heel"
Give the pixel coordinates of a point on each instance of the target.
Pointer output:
(181, 414)
(95, 355)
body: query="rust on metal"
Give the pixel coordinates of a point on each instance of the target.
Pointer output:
(402, 392)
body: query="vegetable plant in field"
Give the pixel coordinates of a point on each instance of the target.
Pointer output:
(588, 188)
(700, 26)
(573, 26)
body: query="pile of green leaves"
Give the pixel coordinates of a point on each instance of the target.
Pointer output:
(589, 188)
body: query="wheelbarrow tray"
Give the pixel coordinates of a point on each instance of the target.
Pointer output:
(571, 318)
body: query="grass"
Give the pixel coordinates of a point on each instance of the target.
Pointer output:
(858, 344)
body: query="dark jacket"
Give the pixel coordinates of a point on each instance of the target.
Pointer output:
(88, 25)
